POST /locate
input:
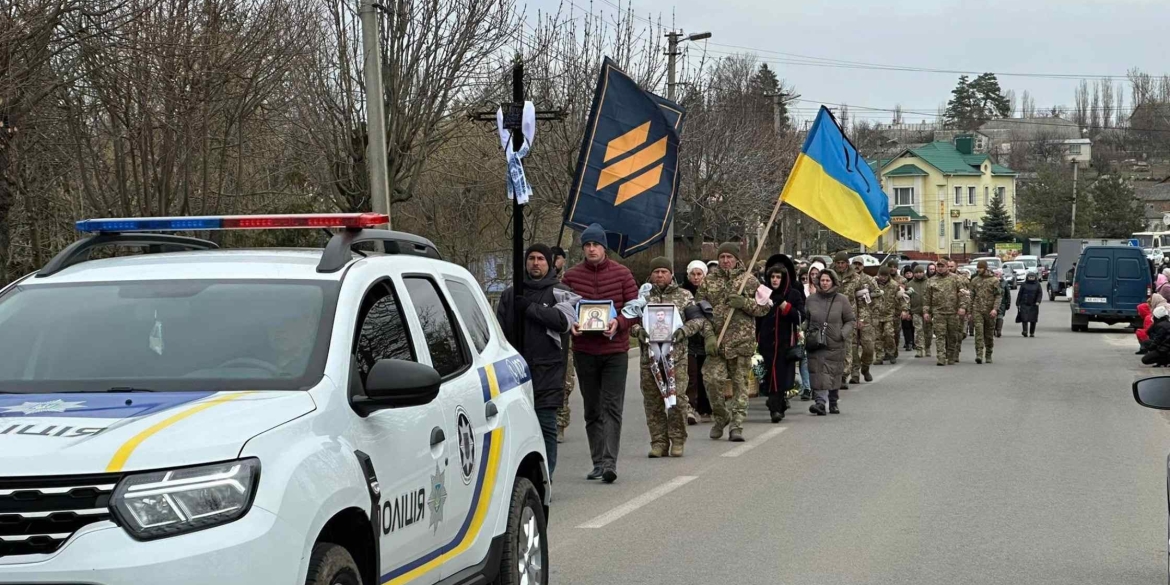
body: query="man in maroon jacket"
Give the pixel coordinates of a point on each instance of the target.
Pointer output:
(601, 358)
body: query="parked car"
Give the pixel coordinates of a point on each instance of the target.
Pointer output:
(1108, 285)
(1154, 393)
(1046, 264)
(1018, 270)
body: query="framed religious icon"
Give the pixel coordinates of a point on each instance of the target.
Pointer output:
(660, 322)
(594, 315)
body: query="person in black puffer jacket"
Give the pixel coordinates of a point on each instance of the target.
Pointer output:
(544, 326)
(1158, 348)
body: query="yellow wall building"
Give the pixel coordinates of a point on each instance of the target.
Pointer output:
(939, 194)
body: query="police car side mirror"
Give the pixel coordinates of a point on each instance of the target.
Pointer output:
(396, 383)
(1153, 392)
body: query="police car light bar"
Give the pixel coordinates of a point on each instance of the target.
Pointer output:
(234, 222)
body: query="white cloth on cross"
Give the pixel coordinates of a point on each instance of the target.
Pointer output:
(518, 187)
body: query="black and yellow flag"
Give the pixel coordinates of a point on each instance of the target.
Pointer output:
(627, 175)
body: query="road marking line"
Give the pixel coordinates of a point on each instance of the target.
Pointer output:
(1122, 340)
(752, 444)
(638, 502)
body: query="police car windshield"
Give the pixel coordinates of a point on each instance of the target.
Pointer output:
(165, 335)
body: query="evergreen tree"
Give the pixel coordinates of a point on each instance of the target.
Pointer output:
(962, 108)
(990, 98)
(1115, 212)
(764, 86)
(976, 101)
(996, 226)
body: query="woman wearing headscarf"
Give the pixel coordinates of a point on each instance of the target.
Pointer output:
(814, 276)
(696, 354)
(1162, 285)
(1028, 303)
(778, 332)
(1159, 345)
(831, 319)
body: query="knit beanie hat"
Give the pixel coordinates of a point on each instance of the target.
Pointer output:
(661, 262)
(697, 264)
(920, 269)
(982, 265)
(595, 234)
(730, 248)
(541, 249)
(559, 252)
(841, 257)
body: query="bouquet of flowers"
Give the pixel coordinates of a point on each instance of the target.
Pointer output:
(758, 366)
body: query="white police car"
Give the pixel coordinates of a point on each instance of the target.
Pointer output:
(195, 415)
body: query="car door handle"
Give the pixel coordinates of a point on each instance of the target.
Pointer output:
(490, 411)
(437, 437)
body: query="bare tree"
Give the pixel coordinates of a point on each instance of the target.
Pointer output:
(1012, 104)
(1027, 105)
(1081, 104)
(1105, 87)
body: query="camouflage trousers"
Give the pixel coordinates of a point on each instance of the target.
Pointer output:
(949, 332)
(887, 338)
(923, 334)
(984, 336)
(570, 380)
(718, 373)
(861, 357)
(665, 426)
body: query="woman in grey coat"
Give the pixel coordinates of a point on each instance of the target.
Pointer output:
(830, 310)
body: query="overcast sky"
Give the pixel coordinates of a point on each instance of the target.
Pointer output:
(1067, 37)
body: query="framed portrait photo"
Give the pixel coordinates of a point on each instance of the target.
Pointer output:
(594, 315)
(659, 322)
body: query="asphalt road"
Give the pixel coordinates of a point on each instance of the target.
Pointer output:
(1039, 468)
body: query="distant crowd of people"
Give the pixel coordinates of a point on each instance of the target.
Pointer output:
(1154, 333)
(798, 328)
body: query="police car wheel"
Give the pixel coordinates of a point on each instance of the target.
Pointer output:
(331, 564)
(525, 559)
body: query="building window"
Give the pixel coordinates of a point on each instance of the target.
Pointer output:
(958, 225)
(986, 196)
(958, 195)
(1001, 192)
(970, 195)
(1074, 149)
(905, 232)
(903, 195)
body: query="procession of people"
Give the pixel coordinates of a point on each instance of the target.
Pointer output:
(709, 340)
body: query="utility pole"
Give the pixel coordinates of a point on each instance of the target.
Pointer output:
(375, 112)
(1073, 231)
(672, 40)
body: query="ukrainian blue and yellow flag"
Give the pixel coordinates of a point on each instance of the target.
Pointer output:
(835, 186)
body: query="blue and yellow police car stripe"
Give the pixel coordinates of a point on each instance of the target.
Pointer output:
(495, 379)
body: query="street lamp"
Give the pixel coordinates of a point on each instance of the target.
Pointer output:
(673, 39)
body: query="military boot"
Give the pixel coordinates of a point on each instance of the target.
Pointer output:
(560, 434)
(717, 431)
(855, 379)
(988, 360)
(919, 353)
(735, 436)
(676, 449)
(865, 373)
(657, 450)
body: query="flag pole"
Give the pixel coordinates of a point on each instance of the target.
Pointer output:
(755, 256)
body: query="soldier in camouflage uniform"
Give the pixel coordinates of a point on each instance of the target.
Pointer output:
(857, 286)
(986, 294)
(923, 335)
(668, 429)
(726, 369)
(570, 371)
(889, 306)
(945, 306)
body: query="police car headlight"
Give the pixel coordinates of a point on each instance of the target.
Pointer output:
(176, 501)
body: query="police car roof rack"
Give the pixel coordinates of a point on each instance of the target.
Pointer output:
(339, 251)
(79, 251)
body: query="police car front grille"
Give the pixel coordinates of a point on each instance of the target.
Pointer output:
(38, 514)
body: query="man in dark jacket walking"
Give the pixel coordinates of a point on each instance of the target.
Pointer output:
(601, 357)
(544, 324)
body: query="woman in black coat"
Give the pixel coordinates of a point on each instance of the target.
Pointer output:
(1028, 304)
(776, 333)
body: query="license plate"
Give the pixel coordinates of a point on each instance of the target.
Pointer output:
(1096, 300)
